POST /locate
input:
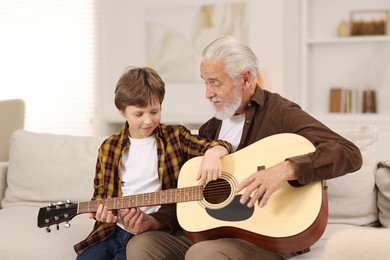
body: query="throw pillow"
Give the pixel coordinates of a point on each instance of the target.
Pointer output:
(47, 168)
(352, 197)
(383, 184)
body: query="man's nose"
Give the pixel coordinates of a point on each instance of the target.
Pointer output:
(209, 92)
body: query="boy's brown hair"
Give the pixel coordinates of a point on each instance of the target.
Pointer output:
(138, 87)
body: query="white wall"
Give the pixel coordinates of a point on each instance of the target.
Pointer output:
(124, 40)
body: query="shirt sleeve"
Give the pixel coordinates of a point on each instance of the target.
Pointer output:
(98, 182)
(197, 145)
(333, 156)
(167, 214)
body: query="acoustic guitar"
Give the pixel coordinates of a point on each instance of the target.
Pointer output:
(293, 219)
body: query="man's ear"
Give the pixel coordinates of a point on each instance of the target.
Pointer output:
(247, 78)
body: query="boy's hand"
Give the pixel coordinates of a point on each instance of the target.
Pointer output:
(211, 167)
(103, 215)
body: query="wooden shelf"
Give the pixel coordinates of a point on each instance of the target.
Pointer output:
(355, 117)
(351, 39)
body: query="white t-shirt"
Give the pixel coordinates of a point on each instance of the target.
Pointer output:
(231, 130)
(139, 170)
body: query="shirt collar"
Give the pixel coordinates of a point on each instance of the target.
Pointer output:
(257, 97)
(125, 131)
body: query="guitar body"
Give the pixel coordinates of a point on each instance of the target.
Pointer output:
(293, 219)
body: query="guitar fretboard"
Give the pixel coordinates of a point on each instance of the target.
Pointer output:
(147, 199)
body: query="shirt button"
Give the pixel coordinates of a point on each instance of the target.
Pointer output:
(248, 121)
(250, 104)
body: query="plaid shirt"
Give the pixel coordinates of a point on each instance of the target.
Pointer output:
(175, 146)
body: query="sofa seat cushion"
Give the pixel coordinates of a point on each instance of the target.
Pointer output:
(383, 184)
(352, 197)
(317, 250)
(359, 244)
(47, 168)
(21, 238)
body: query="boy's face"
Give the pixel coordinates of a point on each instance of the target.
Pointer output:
(143, 120)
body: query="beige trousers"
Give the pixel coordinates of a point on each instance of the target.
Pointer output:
(157, 245)
(231, 248)
(162, 245)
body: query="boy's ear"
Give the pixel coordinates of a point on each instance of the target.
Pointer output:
(121, 113)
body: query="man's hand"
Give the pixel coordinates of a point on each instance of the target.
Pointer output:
(264, 183)
(136, 221)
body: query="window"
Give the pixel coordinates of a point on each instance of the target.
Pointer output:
(49, 58)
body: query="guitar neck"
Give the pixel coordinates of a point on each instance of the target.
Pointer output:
(147, 199)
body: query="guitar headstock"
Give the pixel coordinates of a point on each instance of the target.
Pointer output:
(56, 213)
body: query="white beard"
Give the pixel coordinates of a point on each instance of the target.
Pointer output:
(228, 110)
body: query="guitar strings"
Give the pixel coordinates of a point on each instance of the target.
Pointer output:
(216, 189)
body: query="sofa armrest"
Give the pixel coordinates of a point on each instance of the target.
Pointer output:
(3, 178)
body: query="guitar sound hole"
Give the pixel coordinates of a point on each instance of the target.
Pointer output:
(216, 192)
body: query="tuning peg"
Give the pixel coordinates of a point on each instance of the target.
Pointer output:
(48, 229)
(58, 204)
(49, 206)
(67, 224)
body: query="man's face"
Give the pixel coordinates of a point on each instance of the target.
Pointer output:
(221, 90)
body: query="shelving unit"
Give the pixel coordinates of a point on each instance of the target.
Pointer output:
(354, 62)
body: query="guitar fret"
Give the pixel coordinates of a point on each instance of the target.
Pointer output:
(146, 199)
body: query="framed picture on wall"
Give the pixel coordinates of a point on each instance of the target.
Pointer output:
(369, 22)
(176, 33)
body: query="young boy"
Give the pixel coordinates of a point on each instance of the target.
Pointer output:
(145, 156)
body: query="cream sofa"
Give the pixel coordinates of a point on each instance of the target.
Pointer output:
(45, 168)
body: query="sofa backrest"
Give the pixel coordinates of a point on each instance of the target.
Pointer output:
(47, 168)
(382, 179)
(352, 197)
(11, 118)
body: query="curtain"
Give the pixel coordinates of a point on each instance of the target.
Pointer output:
(49, 57)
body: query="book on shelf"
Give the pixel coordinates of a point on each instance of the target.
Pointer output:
(343, 100)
